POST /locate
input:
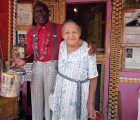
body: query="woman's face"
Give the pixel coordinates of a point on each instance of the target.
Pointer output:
(71, 33)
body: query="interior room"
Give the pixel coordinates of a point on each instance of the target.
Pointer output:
(28, 32)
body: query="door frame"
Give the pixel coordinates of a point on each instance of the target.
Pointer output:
(104, 60)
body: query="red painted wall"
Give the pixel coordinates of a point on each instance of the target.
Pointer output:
(4, 26)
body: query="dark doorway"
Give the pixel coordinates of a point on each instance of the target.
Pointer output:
(91, 17)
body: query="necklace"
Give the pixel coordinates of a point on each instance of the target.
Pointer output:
(45, 46)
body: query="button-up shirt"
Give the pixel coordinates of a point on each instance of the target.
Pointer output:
(42, 34)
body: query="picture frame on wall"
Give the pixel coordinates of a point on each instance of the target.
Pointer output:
(131, 29)
(131, 3)
(24, 14)
(21, 38)
(131, 58)
(18, 52)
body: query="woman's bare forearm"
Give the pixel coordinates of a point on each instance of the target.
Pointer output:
(92, 89)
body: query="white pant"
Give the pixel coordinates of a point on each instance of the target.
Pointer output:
(42, 82)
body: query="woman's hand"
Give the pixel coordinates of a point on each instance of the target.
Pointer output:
(17, 63)
(92, 48)
(91, 111)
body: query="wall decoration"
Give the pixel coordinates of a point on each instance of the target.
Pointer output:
(131, 17)
(131, 60)
(24, 14)
(114, 59)
(21, 38)
(131, 30)
(130, 2)
(18, 52)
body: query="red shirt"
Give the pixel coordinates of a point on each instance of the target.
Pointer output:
(42, 33)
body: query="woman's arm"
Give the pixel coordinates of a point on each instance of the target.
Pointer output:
(91, 98)
(92, 48)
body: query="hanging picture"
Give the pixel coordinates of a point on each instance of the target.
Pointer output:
(21, 38)
(131, 58)
(18, 52)
(131, 31)
(130, 2)
(24, 14)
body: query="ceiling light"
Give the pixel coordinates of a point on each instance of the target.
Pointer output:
(75, 9)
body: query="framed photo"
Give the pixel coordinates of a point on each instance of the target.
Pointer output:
(24, 14)
(21, 38)
(132, 17)
(131, 31)
(131, 2)
(131, 58)
(18, 52)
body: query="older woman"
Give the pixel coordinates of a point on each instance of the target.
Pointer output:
(76, 79)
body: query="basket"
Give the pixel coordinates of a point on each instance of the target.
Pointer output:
(9, 108)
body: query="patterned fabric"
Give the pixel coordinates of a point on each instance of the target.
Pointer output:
(79, 66)
(44, 74)
(42, 33)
